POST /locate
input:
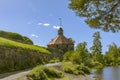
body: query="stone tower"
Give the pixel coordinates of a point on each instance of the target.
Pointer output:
(60, 44)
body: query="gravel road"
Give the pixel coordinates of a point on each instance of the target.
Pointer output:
(16, 75)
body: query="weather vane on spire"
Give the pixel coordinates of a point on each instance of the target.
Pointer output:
(60, 19)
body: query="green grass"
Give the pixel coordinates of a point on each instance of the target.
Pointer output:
(44, 73)
(12, 44)
(15, 37)
(76, 69)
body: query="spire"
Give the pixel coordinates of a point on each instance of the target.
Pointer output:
(60, 19)
(60, 31)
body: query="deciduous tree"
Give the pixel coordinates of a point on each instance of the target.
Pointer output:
(101, 14)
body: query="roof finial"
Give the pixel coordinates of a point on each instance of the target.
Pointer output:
(60, 19)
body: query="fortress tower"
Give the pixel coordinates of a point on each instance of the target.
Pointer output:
(60, 44)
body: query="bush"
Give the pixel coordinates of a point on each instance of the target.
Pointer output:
(85, 69)
(52, 72)
(54, 60)
(96, 65)
(37, 74)
(69, 67)
(44, 73)
(76, 69)
(67, 55)
(72, 56)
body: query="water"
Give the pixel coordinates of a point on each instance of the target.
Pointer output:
(108, 73)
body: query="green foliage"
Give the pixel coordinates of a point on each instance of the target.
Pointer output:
(80, 55)
(112, 57)
(67, 56)
(97, 14)
(54, 61)
(44, 73)
(83, 52)
(96, 65)
(15, 37)
(18, 56)
(37, 74)
(76, 69)
(69, 67)
(27, 40)
(93, 22)
(97, 47)
(85, 69)
(53, 73)
(72, 56)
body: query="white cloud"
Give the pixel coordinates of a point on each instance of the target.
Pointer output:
(34, 35)
(56, 27)
(46, 24)
(43, 24)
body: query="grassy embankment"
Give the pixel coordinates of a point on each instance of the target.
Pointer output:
(17, 56)
(12, 44)
(15, 37)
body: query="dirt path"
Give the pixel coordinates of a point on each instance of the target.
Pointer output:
(21, 75)
(16, 75)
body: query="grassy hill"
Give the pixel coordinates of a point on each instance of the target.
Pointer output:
(18, 56)
(12, 44)
(15, 37)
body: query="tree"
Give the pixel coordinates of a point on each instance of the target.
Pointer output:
(80, 55)
(101, 14)
(81, 49)
(112, 57)
(96, 49)
(81, 45)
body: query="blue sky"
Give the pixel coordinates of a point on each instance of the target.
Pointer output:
(39, 20)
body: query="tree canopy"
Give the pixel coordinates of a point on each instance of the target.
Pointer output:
(112, 56)
(97, 46)
(100, 14)
(96, 49)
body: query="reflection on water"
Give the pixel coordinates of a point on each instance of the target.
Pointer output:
(108, 73)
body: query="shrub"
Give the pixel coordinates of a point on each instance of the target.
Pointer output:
(52, 72)
(44, 73)
(83, 68)
(69, 67)
(76, 69)
(54, 60)
(96, 65)
(73, 56)
(67, 55)
(37, 74)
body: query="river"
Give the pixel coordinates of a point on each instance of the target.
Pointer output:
(107, 73)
